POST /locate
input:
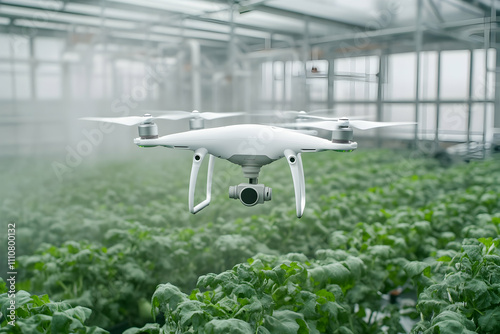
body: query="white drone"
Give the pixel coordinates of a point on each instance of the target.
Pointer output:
(249, 145)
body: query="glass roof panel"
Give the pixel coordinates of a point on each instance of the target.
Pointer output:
(356, 12)
(48, 4)
(266, 20)
(190, 23)
(110, 12)
(191, 7)
(42, 18)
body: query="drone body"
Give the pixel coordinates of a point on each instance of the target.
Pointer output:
(244, 143)
(251, 146)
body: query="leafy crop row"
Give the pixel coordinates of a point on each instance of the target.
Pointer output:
(106, 237)
(37, 314)
(337, 294)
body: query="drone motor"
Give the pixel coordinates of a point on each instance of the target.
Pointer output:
(343, 134)
(148, 129)
(196, 123)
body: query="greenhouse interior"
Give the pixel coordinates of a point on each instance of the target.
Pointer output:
(249, 166)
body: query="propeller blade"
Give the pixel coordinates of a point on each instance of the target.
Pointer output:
(333, 125)
(325, 125)
(128, 120)
(166, 112)
(169, 114)
(274, 113)
(322, 118)
(175, 117)
(366, 125)
(215, 115)
(304, 115)
(179, 114)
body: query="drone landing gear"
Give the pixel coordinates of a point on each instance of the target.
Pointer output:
(299, 184)
(198, 157)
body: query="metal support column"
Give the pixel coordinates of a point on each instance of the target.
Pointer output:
(232, 58)
(273, 84)
(418, 49)
(496, 121)
(381, 79)
(438, 101)
(305, 58)
(13, 81)
(469, 99)
(493, 41)
(486, 35)
(331, 84)
(33, 65)
(283, 99)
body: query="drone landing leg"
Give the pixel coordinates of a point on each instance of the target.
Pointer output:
(199, 155)
(295, 163)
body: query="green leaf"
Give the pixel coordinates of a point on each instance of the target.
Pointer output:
(474, 252)
(3, 286)
(380, 251)
(79, 312)
(61, 323)
(22, 298)
(344, 330)
(490, 321)
(422, 227)
(205, 281)
(453, 322)
(428, 304)
(191, 314)
(167, 297)
(146, 329)
(416, 268)
(228, 326)
(284, 322)
(244, 290)
(355, 265)
(331, 273)
(251, 312)
(228, 304)
(325, 296)
(477, 291)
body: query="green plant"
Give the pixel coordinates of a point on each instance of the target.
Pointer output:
(463, 292)
(37, 314)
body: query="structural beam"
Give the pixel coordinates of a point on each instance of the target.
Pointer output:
(313, 19)
(172, 16)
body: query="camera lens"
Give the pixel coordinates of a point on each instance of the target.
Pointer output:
(249, 196)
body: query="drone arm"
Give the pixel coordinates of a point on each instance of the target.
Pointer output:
(199, 155)
(295, 162)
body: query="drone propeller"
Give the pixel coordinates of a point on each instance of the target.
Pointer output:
(335, 124)
(177, 114)
(279, 113)
(366, 125)
(303, 115)
(196, 118)
(171, 114)
(128, 120)
(342, 130)
(334, 119)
